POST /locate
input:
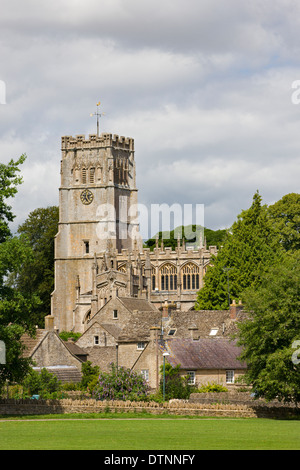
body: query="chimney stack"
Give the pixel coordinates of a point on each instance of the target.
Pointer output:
(235, 309)
(49, 322)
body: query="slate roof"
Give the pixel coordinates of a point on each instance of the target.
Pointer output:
(205, 353)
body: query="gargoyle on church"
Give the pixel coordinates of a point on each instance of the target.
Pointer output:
(99, 252)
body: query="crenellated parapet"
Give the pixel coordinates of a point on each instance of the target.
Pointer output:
(102, 141)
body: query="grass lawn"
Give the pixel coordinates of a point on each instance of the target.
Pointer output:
(150, 433)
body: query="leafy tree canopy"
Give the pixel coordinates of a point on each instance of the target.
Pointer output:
(37, 276)
(191, 233)
(249, 248)
(285, 214)
(9, 180)
(269, 335)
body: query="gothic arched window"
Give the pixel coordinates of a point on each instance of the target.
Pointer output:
(153, 278)
(190, 277)
(168, 277)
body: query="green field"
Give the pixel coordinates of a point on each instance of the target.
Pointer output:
(149, 434)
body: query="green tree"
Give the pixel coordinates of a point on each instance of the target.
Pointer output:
(9, 180)
(41, 383)
(192, 232)
(249, 248)
(89, 373)
(271, 332)
(37, 277)
(176, 386)
(285, 215)
(17, 310)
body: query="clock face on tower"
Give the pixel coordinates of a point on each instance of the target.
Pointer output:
(86, 196)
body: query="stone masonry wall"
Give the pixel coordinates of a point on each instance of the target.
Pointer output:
(38, 407)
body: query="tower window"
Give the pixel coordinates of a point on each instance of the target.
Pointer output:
(83, 175)
(87, 246)
(92, 175)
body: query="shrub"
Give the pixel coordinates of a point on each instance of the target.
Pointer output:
(89, 373)
(41, 383)
(176, 386)
(211, 387)
(65, 335)
(119, 384)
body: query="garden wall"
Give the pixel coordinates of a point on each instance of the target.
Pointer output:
(176, 407)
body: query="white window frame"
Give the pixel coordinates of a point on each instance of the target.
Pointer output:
(145, 374)
(230, 376)
(192, 377)
(141, 345)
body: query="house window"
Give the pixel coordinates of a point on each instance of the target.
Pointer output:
(230, 376)
(96, 340)
(87, 247)
(172, 332)
(145, 374)
(115, 314)
(141, 345)
(191, 377)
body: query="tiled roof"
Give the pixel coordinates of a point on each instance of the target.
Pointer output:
(74, 349)
(64, 374)
(205, 353)
(30, 343)
(139, 324)
(133, 303)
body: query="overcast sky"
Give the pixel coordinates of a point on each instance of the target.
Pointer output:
(203, 86)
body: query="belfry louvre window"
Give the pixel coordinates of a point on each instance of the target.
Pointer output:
(92, 175)
(168, 277)
(190, 277)
(83, 175)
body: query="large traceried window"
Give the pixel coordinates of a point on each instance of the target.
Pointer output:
(168, 277)
(190, 277)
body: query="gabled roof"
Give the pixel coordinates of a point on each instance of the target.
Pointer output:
(205, 353)
(133, 303)
(31, 343)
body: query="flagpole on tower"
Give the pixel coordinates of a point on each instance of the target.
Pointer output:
(97, 115)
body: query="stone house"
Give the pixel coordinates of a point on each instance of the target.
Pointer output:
(198, 340)
(47, 350)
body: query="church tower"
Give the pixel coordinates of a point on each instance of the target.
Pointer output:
(97, 209)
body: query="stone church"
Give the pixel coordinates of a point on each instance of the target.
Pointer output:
(99, 253)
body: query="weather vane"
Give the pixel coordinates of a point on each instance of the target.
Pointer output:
(98, 115)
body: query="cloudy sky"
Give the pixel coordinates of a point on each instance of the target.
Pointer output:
(203, 86)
